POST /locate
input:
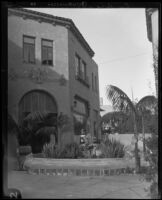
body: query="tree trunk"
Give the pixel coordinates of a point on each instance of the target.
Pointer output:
(143, 133)
(137, 158)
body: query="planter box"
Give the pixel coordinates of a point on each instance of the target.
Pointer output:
(25, 150)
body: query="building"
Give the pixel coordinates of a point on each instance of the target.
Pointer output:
(51, 68)
(152, 22)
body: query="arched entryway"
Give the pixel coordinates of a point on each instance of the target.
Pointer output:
(37, 100)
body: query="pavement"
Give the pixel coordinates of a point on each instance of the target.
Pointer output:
(64, 187)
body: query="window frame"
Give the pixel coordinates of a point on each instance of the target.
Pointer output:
(43, 39)
(31, 37)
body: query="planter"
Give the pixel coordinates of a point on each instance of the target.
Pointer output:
(25, 150)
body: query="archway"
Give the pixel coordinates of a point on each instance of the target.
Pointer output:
(37, 100)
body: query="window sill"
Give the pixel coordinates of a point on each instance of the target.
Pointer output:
(82, 81)
(47, 65)
(31, 63)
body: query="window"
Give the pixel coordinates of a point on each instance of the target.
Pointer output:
(28, 49)
(80, 116)
(81, 71)
(84, 72)
(92, 81)
(95, 83)
(77, 64)
(95, 116)
(47, 52)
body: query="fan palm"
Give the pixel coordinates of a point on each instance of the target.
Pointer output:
(121, 102)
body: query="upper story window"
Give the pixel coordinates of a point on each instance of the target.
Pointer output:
(92, 81)
(77, 64)
(81, 70)
(29, 49)
(84, 71)
(96, 83)
(47, 52)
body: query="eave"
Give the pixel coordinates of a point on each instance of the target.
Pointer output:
(54, 20)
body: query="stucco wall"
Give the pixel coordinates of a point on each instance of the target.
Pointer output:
(155, 28)
(127, 139)
(77, 88)
(17, 26)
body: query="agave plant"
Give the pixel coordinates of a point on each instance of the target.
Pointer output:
(111, 148)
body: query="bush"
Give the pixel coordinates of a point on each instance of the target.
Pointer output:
(111, 148)
(69, 151)
(152, 171)
(51, 151)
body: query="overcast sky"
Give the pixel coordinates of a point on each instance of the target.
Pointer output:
(122, 51)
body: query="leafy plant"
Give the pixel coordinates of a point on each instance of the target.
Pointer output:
(111, 148)
(121, 102)
(51, 151)
(71, 151)
(151, 174)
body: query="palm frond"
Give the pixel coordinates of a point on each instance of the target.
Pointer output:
(46, 131)
(120, 101)
(146, 103)
(36, 116)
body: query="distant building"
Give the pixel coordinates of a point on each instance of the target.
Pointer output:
(152, 22)
(51, 68)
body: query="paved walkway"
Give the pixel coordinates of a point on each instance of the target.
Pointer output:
(54, 187)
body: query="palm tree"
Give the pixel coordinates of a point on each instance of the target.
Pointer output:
(121, 102)
(37, 127)
(145, 106)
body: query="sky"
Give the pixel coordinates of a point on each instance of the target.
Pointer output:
(123, 52)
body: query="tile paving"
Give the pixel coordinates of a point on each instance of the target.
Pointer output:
(54, 187)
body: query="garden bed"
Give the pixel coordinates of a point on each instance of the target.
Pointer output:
(79, 167)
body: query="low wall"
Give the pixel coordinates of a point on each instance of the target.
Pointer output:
(127, 139)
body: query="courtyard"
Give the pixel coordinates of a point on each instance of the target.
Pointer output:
(63, 187)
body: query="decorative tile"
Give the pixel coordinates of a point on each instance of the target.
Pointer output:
(53, 171)
(84, 172)
(78, 172)
(90, 172)
(106, 172)
(59, 172)
(71, 172)
(97, 172)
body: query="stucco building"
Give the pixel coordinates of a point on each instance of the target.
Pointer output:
(152, 22)
(51, 68)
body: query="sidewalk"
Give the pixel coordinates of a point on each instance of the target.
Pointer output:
(43, 186)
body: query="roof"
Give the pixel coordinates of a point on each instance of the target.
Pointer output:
(148, 13)
(55, 20)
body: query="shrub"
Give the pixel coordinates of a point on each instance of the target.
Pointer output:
(51, 151)
(71, 151)
(152, 171)
(111, 148)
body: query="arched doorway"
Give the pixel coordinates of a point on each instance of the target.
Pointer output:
(37, 100)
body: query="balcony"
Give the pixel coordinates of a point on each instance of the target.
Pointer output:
(84, 80)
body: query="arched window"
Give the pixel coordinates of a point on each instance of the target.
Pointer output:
(36, 100)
